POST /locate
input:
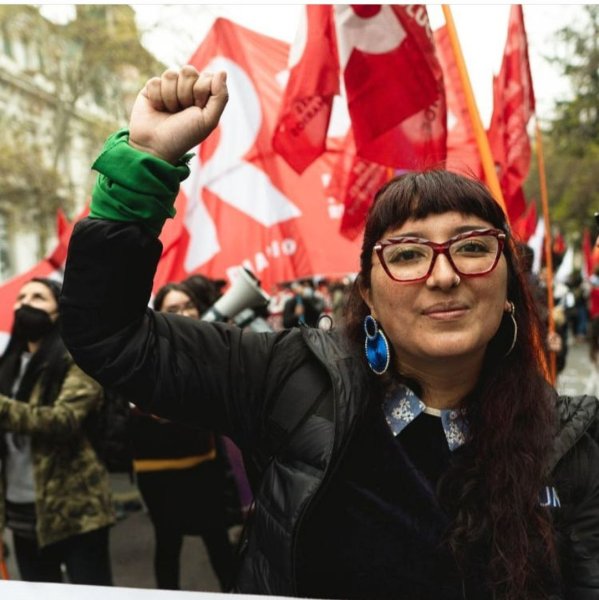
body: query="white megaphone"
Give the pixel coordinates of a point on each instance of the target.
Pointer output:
(245, 292)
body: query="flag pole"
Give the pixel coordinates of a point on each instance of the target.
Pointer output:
(480, 134)
(548, 255)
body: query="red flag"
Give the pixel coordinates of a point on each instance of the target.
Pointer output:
(524, 227)
(392, 79)
(559, 244)
(394, 84)
(354, 183)
(300, 135)
(363, 181)
(62, 223)
(397, 122)
(462, 150)
(52, 266)
(594, 257)
(243, 204)
(514, 104)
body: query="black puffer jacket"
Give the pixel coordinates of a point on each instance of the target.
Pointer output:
(290, 400)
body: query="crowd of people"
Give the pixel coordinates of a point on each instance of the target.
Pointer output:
(411, 447)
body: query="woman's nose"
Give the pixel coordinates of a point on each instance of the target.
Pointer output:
(443, 274)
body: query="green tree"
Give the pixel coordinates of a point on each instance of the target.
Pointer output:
(85, 75)
(95, 62)
(571, 136)
(576, 121)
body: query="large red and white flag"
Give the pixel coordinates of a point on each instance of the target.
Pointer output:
(392, 80)
(514, 105)
(463, 155)
(303, 122)
(243, 205)
(394, 84)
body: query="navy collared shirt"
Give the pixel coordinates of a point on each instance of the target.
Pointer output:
(401, 406)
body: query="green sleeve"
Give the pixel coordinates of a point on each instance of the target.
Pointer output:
(135, 186)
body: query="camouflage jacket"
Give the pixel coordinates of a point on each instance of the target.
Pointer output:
(72, 486)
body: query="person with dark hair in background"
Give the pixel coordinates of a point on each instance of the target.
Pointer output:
(419, 452)
(304, 307)
(54, 491)
(180, 475)
(207, 291)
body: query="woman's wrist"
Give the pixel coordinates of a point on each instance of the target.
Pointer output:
(150, 150)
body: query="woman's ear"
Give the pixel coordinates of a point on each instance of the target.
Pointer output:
(366, 294)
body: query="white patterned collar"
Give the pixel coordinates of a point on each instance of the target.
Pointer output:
(401, 406)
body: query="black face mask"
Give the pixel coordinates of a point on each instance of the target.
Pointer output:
(31, 324)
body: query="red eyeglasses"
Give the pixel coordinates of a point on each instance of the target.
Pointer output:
(411, 259)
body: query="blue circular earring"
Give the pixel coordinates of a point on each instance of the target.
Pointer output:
(376, 346)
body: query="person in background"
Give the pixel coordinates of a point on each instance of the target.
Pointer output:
(54, 492)
(339, 293)
(281, 294)
(419, 452)
(238, 494)
(180, 476)
(304, 307)
(206, 291)
(577, 308)
(594, 316)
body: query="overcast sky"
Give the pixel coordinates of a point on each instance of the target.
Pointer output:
(175, 31)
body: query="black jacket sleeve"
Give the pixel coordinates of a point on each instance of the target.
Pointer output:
(578, 521)
(207, 374)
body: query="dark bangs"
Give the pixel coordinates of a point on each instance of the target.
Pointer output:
(417, 195)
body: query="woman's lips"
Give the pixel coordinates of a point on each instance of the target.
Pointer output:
(445, 311)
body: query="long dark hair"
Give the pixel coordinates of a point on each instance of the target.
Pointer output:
(48, 365)
(492, 489)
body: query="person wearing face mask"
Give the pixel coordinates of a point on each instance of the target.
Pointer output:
(54, 492)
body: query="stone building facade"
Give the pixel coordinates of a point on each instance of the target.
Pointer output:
(63, 88)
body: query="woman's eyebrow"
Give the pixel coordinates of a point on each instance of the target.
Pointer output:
(465, 228)
(455, 231)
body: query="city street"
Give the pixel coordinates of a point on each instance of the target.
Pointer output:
(580, 376)
(132, 544)
(132, 540)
